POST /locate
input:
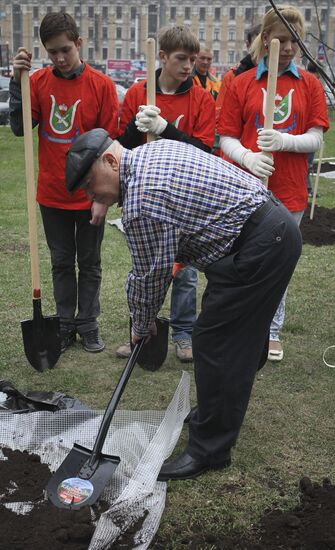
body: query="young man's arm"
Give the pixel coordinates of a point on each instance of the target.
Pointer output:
(171, 132)
(202, 132)
(21, 62)
(149, 120)
(131, 137)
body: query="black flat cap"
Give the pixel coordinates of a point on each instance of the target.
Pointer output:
(82, 153)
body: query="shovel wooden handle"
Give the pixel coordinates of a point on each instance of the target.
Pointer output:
(316, 184)
(151, 78)
(30, 183)
(271, 88)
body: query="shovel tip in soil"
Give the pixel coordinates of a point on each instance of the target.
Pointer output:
(76, 484)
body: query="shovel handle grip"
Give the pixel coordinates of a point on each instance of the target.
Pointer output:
(271, 89)
(151, 78)
(30, 183)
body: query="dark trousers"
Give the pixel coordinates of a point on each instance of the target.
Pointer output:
(71, 237)
(230, 336)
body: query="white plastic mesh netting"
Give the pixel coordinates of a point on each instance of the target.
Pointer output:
(143, 440)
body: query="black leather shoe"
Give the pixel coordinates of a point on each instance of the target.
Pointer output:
(190, 414)
(187, 467)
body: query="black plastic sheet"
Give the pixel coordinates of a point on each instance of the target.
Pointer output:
(32, 401)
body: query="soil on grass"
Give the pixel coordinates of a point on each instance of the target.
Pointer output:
(309, 526)
(23, 479)
(325, 167)
(321, 230)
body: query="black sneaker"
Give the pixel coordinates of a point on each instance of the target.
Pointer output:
(91, 341)
(68, 338)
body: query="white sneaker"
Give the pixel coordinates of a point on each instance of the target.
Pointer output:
(184, 350)
(276, 352)
(124, 351)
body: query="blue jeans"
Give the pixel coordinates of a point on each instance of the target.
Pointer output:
(279, 316)
(183, 307)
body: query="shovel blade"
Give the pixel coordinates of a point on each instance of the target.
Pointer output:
(41, 341)
(66, 489)
(154, 352)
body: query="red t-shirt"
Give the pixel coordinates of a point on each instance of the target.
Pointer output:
(226, 81)
(65, 109)
(300, 105)
(192, 111)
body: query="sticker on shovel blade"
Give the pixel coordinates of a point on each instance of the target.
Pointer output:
(74, 490)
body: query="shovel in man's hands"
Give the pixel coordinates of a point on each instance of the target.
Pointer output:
(84, 473)
(41, 335)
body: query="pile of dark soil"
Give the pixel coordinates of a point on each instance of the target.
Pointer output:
(23, 479)
(325, 167)
(309, 526)
(321, 230)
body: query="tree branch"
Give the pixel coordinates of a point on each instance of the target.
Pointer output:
(320, 34)
(303, 48)
(321, 41)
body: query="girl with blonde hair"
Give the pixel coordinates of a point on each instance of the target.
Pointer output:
(299, 122)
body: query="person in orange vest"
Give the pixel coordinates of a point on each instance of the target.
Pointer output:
(202, 76)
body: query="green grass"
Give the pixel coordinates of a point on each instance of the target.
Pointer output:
(289, 427)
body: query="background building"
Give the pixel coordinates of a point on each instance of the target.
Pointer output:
(117, 30)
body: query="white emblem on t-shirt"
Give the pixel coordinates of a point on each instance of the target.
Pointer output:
(283, 106)
(62, 116)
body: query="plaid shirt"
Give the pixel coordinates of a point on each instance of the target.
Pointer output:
(179, 205)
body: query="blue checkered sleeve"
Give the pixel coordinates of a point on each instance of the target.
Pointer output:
(153, 247)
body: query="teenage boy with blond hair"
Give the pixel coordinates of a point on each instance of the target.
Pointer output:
(183, 112)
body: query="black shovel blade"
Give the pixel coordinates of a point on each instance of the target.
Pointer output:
(66, 489)
(41, 339)
(154, 352)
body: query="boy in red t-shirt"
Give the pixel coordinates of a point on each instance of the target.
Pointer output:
(67, 100)
(183, 112)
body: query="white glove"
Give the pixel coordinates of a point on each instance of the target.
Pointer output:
(149, 120)
(259, 164)
(270, 140)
